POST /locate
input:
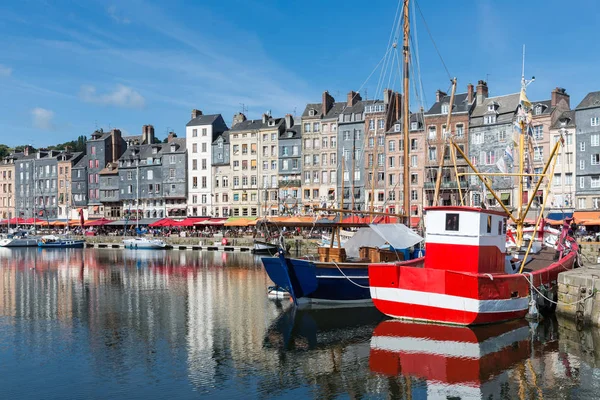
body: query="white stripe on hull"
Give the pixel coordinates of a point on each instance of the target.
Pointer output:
(449, 348)
(449, 302)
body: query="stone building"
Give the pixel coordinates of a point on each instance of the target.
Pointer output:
(175, 176)
(7, 186)
(66, 161)
(102, 148)
(290, 168)
(563, 187)
(79, 191)
(350, 151)
(109, 191)
(436, 135)
(587, 121)
(319, 151)
(200, 133)
(490, 133)
(221, 170)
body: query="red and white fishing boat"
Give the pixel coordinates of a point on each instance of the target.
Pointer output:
(466, 276)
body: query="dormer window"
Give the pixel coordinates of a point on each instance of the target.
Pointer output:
(538, 110)
(271, 122)
(445, 108)
(173, 148)
(311, 113)
(220, 144)
(154, 150)
(489, 119)
(397, 127)
(563, 122)
(414, 126)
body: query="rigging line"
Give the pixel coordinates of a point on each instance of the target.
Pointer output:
(416, 45)
(433, 41)
(392, 39)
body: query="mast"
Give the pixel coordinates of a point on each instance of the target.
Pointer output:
(405, 111)
(137, 197)
(438, 181)
(342, 198)
(353, 161)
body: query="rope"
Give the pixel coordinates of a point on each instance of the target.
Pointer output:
(552, 301)
(346, 276)
(433, 41)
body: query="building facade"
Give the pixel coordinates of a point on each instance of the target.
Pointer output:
(79, 189)
(66, 161)
(563, 187)
(7, 186)
(290, 169)
(200, 133)
(587, 120)
(221, 171)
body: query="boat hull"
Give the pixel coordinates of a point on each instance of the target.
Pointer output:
(66, 244)
(144, 245)
(21, 242)
(459, 298)
(333, 285)
(261, 247)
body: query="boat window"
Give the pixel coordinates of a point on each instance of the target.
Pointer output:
(489, 224)
(499, 227)
(452, 222)
(504, 226)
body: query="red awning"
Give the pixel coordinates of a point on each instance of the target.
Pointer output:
(190, 221)
(98, 222)
(414, 221)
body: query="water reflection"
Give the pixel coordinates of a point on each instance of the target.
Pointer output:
(114, 323)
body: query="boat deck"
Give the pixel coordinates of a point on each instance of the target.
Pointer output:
(540, 260)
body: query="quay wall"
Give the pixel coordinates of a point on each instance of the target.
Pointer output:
(579, 295)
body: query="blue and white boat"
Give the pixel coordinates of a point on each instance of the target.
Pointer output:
(55, 242)
(340, 275)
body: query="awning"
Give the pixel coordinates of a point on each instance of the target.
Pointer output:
(397, 236)
(98, 222)
(557, 216)
(414, 221)
(239, 221)
(581, 216)
(504, 196)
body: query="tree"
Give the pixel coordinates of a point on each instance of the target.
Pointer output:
(4, 151)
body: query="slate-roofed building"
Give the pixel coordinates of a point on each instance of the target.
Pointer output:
(7, 186)
(437, 133)
(587, 120)
(66, 161)
(490, 132)
(290, 168)
(201, 132)
(79, 182)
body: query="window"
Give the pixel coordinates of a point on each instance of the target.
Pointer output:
(557, 180)
(581, 164)
(569, 178)
(569, 138)
(581, 203)
(452, 222)
(445, 108)
(195, 148)
(392, 145)
(413, 161)
(414, 195)
(392, 195)
(204, 131)
(381, 123)
(478, 138)
(595, 181)
(432, 153)
(581, 182)
(594, 121)
(432, 133)
(194, 132)
(538, 132)
(582, 146)
(489, 119)
(346, 135)
(150, 174)
(595, 139)
(413, 126)
(372, 125)
(371, 141)
(391, 162)
(414, 144)
(538, 153)
(502, 136)
(195, 182)
(595, 159)
(204, 147)
(307, 127)
(204, 163)
(460, 130)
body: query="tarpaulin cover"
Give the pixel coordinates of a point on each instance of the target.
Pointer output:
(398, 236)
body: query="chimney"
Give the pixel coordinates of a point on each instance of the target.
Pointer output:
(115, 137)
(196, 113)
(398, 107)
(150, 134)
(144, 134)
(172, 135)
(353, 98)
(26, 150)
(289, 120)
(387, 96)
(482, 91)
(237, 118)
(265, 118)
(439, 95)
(470, 89)
(559, 94)
(326, 103)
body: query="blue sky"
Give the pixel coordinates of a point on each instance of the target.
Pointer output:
(67, 67)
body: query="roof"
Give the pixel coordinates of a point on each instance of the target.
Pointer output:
(295, 132)
(256, 124)
(507, 105)
(81, 163)
(591, 100)
(224, 135)
(461, 104)
(203, 120)
(568, 117)
(546, 105)
(414, 117)
(333, 112)
(112, 168)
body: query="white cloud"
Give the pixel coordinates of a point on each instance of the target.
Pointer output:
(122, 96)
(112, 12)
(42, 118)
(5, 71)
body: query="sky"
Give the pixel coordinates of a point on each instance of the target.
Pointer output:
(70, 67)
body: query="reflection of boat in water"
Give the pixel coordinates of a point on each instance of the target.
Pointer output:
(303, 329)
(455, 362)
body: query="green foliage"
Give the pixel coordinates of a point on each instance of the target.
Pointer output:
(4, 151)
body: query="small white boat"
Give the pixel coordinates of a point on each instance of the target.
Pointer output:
(145, 243)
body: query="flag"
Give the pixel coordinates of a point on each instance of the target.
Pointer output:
(501, 165)
(524, 101)
(508, 153)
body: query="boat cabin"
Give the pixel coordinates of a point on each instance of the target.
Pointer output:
(465, 239)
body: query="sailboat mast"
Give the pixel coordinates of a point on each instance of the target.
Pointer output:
(438, 181)
(520, 216)
(353, 166)
(405, 111)
(137, 197)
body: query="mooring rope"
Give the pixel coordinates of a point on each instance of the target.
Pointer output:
(346, 276)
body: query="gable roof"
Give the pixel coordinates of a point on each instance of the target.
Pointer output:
(203, 120)
(507, 105)
(547, 109)
(256, 124)
(591, 100)
(569, 116)
(295, 131)
(461, 104)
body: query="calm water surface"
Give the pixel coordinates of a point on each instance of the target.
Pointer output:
(151, 325)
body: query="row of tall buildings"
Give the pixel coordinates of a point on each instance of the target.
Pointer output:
(336, 154)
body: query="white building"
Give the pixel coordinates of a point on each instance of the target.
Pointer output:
(200, 133)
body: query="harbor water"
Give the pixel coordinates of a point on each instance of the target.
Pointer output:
(113, 323)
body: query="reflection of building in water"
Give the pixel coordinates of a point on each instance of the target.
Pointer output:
(7, 291)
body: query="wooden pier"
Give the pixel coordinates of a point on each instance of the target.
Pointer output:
(221, 248)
